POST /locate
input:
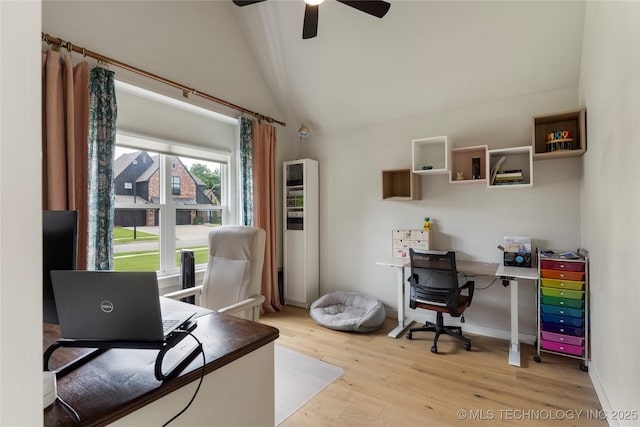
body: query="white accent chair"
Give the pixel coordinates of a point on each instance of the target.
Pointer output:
(232, 282)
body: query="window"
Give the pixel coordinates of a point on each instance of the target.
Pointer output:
(174, 203)
(175, 185)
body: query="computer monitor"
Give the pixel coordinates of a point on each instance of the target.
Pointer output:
(59, 252)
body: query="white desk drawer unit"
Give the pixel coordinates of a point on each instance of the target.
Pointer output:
(563, 304)
(403, 240)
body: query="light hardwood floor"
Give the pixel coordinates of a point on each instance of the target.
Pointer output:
(399, 382)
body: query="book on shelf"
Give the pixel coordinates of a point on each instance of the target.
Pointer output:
(520, 181)
(513, 173)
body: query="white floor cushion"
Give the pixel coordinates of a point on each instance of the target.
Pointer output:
(348, 311)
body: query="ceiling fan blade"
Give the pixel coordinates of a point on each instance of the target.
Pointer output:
(377, 8)
(246, 2)
(310, 26)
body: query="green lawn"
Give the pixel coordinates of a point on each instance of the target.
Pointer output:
(124, 235)
(149, 260)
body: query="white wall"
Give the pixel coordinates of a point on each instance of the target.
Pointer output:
(356, 224)
(610, 89)
(20, 215)
(194, 43)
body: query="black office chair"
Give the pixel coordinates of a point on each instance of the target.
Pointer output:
(435, 286)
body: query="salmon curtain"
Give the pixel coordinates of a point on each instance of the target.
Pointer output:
(65, 131)
(264, 207)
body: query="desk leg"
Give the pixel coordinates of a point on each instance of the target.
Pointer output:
(403, 323)
(514, 345)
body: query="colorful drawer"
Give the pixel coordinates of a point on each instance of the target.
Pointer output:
(563, 348)
(567, 339)
(563, 302)
(550, 264)
(563, 284)
(563, 320)
(562, 329)
(564, 275)
(561, 293)
(562, 311)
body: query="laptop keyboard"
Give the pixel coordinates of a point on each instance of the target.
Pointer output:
(168, 324)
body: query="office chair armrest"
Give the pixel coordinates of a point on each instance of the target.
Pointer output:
(183, 293)
(253, 302)
(470, 286)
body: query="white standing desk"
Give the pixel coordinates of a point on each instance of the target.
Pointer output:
(399, 264)
(512, 274)
(470, 267)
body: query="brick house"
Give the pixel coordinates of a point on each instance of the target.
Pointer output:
(137, 180)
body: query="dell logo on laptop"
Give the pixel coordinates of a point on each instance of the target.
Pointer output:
(106, 306)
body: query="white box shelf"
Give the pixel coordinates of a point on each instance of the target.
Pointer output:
(430, 155)
(516, 158)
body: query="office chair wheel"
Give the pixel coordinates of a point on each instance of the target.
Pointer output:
(409, 336)
(584, 368)
(537, 359)
(467, 346)
(434, 349)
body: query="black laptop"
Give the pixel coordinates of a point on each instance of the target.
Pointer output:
(113, 306)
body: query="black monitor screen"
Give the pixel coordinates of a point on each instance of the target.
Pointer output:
(59, 242)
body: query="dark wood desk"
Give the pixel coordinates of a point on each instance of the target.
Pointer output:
(121, 381)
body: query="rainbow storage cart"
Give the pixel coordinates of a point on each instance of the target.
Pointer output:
(563, 305)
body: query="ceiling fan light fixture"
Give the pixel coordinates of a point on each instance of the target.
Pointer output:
(377, 8)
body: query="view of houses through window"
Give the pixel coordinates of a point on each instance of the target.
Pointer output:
(164, 204)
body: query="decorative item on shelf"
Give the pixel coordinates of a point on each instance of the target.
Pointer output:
(559, 140)
(427, 168)
(460, 176)
(475, 168)
(426, 226)
(303, 132)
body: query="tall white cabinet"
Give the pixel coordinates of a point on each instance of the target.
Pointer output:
(301, 249)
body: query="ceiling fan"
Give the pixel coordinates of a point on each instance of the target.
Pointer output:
(377, 8)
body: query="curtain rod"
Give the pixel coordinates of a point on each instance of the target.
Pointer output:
(185, 90)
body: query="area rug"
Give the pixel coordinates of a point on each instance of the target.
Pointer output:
(298, 378)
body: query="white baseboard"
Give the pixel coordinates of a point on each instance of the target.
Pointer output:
(602, 396)
(471, 328)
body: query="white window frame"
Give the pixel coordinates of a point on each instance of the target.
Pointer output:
(167, 211)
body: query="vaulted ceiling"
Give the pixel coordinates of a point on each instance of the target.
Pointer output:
(422, 57)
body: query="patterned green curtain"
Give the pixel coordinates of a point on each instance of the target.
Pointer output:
(246, 173)
(102, 140)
